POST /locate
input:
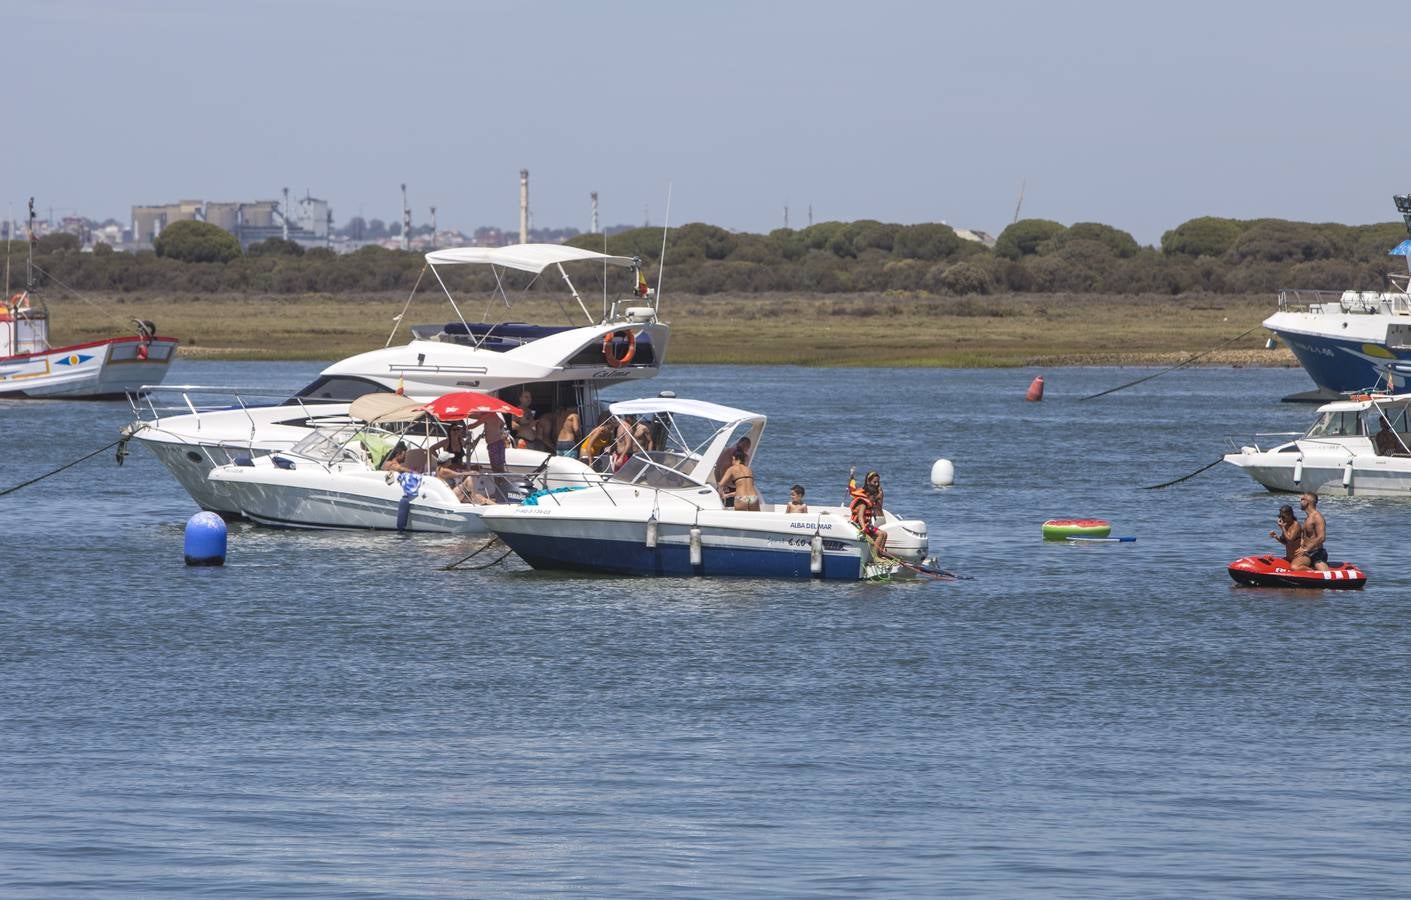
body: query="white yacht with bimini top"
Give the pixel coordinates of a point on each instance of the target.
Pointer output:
(335, 477)
(193, 428)
(661, 512)
(1356, 448)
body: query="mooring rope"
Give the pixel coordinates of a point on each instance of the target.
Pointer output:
(1180, 365)
(49, 275)
(1166, 484)
(69, 465)
(486, 546)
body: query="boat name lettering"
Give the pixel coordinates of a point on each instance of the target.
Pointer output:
(823, 526)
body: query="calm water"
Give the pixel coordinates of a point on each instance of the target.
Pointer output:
(332, 715)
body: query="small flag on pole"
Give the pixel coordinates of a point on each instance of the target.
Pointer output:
(642, 282)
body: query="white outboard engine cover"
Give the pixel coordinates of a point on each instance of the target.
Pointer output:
(907, 539)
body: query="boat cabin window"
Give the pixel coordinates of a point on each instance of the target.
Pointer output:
(338, 389)
(1336, 424)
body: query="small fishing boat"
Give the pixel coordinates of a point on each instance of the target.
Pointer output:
(31, 367)
(1274, 571)
(333, 478)
(1355, 448)
(660, 513)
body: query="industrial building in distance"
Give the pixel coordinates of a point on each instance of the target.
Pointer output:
(309, 224)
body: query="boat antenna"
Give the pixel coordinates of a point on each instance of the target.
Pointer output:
(9, 235)
(661, 264)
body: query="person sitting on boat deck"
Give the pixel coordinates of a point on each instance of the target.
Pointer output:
(475, 487)
(1387, 443)
(567, 435)
(865, 504)
(737, 486)
(727, 459)
(396, 461)
(493, 431)
(1311, 553)
(642, 434)
(796, 501)
(1289, 532)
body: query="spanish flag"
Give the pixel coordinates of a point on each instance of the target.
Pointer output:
(641, 284)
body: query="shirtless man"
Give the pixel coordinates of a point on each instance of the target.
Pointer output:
(493, 431)
(396, 461)
(737, 485)
(1311, 553)
(1289, 532)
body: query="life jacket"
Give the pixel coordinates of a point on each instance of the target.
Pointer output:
(860, 506)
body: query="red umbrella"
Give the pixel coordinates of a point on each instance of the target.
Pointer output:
(464, 404)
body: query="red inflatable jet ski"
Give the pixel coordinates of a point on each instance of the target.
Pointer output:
(1274, 571)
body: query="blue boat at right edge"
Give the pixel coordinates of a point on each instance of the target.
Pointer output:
(1352, 341)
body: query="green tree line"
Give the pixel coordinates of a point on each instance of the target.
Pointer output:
(1212, 255)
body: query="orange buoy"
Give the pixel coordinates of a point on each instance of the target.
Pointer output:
(1036, 389)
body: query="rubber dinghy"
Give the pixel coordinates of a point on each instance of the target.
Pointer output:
(1274, 571)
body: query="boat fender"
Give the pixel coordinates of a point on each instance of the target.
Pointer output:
(1298, 470)
(404, 511)
(815, 555)
(142, 350)
(695, 547)
(1347, 474)
(610, 348)
(652, 533)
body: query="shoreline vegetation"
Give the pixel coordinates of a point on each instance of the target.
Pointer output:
(824, 330)
(833, 294)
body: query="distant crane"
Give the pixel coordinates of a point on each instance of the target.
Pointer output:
(1020, 205)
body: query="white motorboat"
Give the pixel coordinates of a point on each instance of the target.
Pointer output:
(332, 477)
(1347, 451)
(192, 428)
(661, 513)
(95, 370)
(1351, 341)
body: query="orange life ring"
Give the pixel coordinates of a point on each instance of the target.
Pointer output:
(610, 351)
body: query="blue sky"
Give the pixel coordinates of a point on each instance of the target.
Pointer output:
(1137, 115)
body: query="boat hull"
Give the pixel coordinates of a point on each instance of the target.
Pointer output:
(733, 544)
(1363, 476)
(100, 370)
(1271, 571)
(1347, 362)
(278, 499)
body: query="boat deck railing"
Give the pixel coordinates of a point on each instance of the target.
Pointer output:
(1396, 303)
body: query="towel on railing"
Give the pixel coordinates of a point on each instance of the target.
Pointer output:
(533, 499)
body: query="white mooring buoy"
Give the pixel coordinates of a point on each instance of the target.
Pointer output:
(942, 473)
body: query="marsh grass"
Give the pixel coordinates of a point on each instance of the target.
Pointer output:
(819, 330)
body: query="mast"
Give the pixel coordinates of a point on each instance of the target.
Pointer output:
(29, 258)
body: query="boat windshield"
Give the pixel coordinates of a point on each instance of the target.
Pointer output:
(1336, 424)
(657, 469)
(330, 445)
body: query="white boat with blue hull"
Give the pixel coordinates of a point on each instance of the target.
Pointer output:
(1352, 341)
(661, 514)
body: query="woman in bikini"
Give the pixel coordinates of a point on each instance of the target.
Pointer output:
(1289, 532)
(737, 485)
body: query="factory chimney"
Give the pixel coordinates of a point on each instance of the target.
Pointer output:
(524, 206)
(433, 228)
(285, 214)
(406, 220)
(594, 228)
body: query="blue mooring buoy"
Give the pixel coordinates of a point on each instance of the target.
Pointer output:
(205, 540)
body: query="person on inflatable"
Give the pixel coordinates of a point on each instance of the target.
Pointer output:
(1289, 532)
(1311, 553)
(865, 504)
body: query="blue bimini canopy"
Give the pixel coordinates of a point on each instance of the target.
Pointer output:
(1401, 249)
